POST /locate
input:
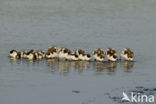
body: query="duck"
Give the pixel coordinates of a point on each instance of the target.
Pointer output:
(74, 57)
(22, 54)
(42, 53)
(99, 54)
(81, 54)
(48, 55)
(38, 54)
(31, 55)
(52, 52)
(79, 51)
(64, 53)
(127, 54)
(87, 57)
(52, 49)
(111, 54)
(14, 54)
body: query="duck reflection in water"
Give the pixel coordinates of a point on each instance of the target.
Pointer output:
(98, 66)
(13, 61)
(19, 61)
(126, 65)
(52, 64)
(109, 65)
(64, 66)
(80, 65)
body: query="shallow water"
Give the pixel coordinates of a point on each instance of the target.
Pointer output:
(85, 24)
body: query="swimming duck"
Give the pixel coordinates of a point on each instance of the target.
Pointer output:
(22, 54)
(81, 54)
(51, 55)
(52, 52)
(31, 55)
(42, 53)
(79, 51)
(127, 54)
(48, 55)
(14, 54)
(87, 57)
(38, 54)
(64, 53)
(111, 54)
(74, 57)
(99, 55)
(52, 49)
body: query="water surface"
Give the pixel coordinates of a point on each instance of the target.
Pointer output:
(85, 24)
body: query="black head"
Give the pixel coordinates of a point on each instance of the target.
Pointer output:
(65, 50)
(81, 52)
(101, 56)
(88, 55)
(125, 52)
(27, 53)
(35, 57)
(76, 56)
(108, 52)
(130, 55)
(19, 55)
(114, 56)
(48, 53)
(12, 51)
(113, 51)
(55, 50)
(31, 51)
(69, 52)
